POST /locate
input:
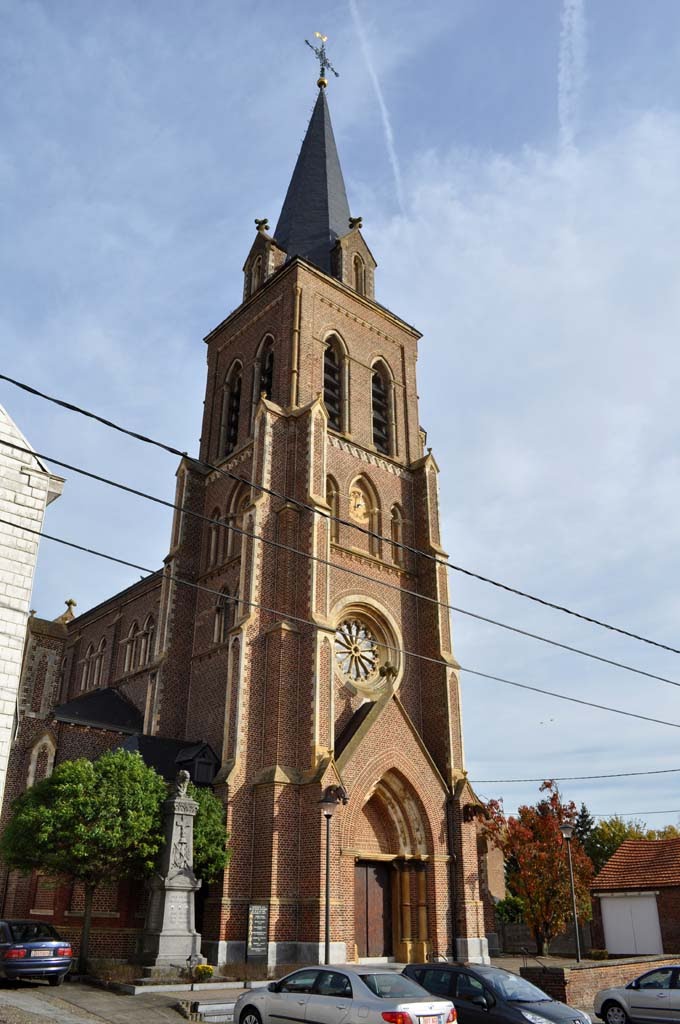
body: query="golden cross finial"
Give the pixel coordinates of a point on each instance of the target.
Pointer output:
(322, 57)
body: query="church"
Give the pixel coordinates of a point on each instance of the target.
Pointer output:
(296, 643)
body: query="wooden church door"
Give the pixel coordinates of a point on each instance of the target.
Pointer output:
(372, 908)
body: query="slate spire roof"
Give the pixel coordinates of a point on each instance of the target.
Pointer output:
(315, 211)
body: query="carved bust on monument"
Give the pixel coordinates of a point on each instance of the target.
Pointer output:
(170, 937)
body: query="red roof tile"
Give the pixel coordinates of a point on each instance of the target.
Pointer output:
(641, 864)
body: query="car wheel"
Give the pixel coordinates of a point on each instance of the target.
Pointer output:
(250, 1016)
(58, 979)
(614, 1013)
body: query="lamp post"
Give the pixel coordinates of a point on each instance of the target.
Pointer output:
(332, 797)
(567, 834)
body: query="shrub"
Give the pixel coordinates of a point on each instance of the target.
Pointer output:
(510, 910)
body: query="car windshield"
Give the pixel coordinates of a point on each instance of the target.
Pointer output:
(391, 985)
(30, 931)
(515, 989)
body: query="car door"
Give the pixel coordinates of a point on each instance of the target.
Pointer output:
(289, 1003)
(651, 998)
(467, 998)
(439, 981)
(331, 1000)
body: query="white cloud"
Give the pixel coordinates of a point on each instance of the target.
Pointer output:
(549, 374)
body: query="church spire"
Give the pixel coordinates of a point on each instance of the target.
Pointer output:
(315, 211)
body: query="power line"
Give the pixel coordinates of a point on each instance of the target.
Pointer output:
(308, 622)
(631, 814)
(315, 511)
(580, 778)
(325, 561)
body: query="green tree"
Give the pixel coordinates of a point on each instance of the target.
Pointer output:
(584, 825)
(667, 832)
(211, 854)
(606, 837)
(537, 866)
(90, 821)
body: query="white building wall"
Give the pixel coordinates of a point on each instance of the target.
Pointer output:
(26, 489)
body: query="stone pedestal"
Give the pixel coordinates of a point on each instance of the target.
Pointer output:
(170, 936)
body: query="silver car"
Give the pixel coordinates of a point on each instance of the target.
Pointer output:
(653, 996)
(342, 995)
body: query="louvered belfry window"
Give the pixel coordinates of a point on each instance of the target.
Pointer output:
(233, 410)
(380, 400)
(332, 387)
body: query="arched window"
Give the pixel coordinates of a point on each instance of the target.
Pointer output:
(41, 762)
(359, 270)
(231, 408)
(240, 499)
(225, 614)
(214, 531)
(88, 667)
(132, 648)
(397, 534)
(98, 663)
(146, 641)
(256, 275)
(380, 407)
(333, 501)
(332, 384)
(266, 370)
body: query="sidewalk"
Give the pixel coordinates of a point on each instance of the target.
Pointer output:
(76, 1003)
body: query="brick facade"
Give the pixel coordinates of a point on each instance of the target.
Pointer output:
(248, 660)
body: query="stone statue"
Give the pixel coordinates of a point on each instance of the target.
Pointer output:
(181, 783)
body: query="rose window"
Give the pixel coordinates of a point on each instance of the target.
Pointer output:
(356, 650)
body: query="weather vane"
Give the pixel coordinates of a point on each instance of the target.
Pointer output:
(322, 57)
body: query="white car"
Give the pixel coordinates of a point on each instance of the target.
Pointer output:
(342, 995)
(653, 997)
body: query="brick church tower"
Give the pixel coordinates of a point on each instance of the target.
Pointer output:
(313, 646)
(318, 665)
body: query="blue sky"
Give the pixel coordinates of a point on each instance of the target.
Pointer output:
(526, 221)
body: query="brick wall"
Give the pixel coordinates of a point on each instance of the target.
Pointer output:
(577, 985)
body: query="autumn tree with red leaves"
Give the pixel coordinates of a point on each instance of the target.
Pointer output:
(537, 870)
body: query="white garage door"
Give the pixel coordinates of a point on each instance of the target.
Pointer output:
(631, 923)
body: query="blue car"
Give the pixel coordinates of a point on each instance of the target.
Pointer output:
(33, 949)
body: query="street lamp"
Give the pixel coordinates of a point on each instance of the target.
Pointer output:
(332, 797)
(567, 834)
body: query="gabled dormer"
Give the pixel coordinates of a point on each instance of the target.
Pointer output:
(265, 257)
(352, 261)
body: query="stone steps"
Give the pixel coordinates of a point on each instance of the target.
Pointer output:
(213, 1013)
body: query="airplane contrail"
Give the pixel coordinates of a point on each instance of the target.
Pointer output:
(384, 114)
(571, 71)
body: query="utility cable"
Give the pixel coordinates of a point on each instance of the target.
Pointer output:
(315, 511)
(325, 561)
(580, 778)
(308, 622)
(632, 814)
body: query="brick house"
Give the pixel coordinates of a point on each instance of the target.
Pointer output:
(636, 898)
(293, 636)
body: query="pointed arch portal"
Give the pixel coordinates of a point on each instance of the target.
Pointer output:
(390, 872)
